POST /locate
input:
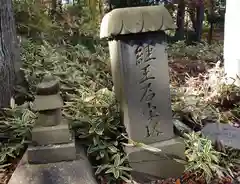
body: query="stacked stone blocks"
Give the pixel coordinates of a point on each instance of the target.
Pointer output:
(52, 140)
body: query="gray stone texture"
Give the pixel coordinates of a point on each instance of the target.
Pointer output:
(49, 118)
(160, 164)
(123, 21)
(78, 171)
(48, 97)
(49, 102)
(50, 87)
(141, 79)
(51, 153)
(226, 133)
(58, 134)
(139, 67)
(144, 69)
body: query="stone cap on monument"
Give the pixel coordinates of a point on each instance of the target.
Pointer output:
(47, 95)
(136, 20)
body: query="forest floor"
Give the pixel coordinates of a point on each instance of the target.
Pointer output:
(178, 67)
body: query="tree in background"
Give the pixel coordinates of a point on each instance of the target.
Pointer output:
(196, 14)
(192, 11)
(215, 15)
(196, 10)
(199, 4)
(180, 20)
(9, 53)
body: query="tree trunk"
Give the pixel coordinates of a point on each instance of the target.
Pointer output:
(199, 19)
(180, 20)
(210, 16)
(9, 53)
(192, 9)
(231, 42)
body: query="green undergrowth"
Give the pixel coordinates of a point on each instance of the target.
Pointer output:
(202, 99)
(200, 51)
(86, 87)
(80, 61)
(15, 126)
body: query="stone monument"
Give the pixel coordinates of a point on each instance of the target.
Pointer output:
(226, 133)
(53, 157)
(139, 67)
(51, 137)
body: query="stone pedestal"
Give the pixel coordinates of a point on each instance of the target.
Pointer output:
(52, 157)
(162, 164)
(52, 140)
(139, 66)
(226, 133)
(51, 153)
(58, 134)
(78, 171)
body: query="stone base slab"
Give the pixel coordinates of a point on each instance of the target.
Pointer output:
(78, 171)
(51, 153)
(51, 135)
(226, 133)
(160, 164)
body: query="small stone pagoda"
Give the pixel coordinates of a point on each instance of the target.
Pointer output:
(52, 140)
(53, 157)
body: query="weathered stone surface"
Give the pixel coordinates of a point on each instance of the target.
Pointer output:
(49, 118)
(51, 153)
(229, 135)
(78, 171)
(141, 82)
(144, 84)
(48, 87)
(159, 164)
(52, 135)
(136, 20)
(50, 102)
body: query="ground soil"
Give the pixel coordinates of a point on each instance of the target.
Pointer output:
(178, 70)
